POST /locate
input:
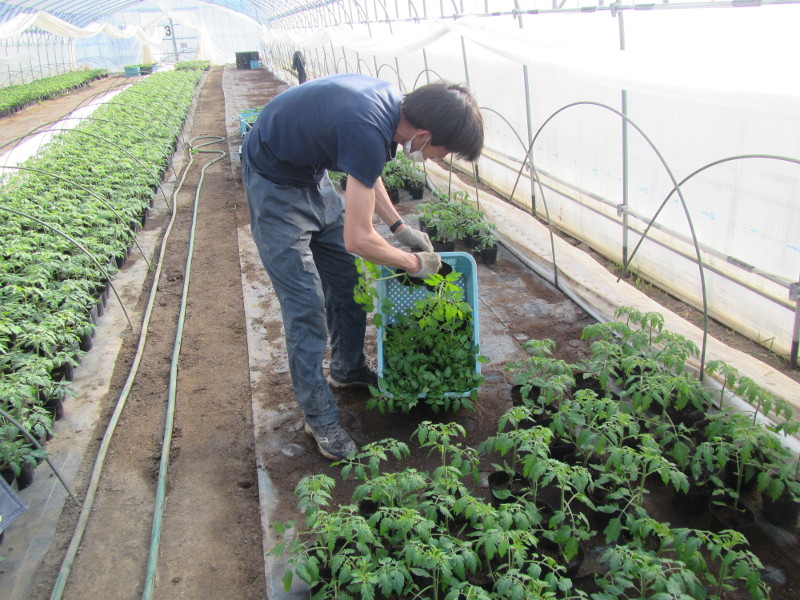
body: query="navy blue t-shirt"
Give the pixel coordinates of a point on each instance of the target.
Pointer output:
(339, 123)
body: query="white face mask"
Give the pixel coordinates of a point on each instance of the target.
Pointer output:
(415, 156)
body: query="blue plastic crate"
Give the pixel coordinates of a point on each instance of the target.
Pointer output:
(133, 71)
(255, 64)
(403, 298)
(244, 125)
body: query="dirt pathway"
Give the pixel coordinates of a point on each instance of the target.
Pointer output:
(211, 536)
(25, 121)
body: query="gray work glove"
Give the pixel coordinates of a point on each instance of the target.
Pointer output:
(414, 239)
(429, 264)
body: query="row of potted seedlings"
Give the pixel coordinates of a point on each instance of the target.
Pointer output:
(453, 218)
(579, 470)
(68, 218)
(17, 97)
(398, 174)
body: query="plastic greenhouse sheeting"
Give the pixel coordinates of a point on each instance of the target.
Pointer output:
(219, 33)
(707, 92)
(702, 85)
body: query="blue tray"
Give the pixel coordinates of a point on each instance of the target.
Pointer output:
(404, 297)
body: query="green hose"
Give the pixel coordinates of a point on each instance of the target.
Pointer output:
(158, 513)
(91, 492)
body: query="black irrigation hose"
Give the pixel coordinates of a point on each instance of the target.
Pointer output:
(38, 446)
(84, 250)
(95, 195)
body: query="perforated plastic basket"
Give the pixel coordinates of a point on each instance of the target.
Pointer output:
(244, 125)
(404, 297)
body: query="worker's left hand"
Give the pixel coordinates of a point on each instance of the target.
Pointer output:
(414, 239)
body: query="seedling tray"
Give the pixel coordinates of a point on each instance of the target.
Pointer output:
(404, 296)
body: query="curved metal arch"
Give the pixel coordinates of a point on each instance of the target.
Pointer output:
(119, 147)
(426, 72)
(691, 176)
(89, 191)
(79, 246)
(662, 160)
(347, 68)
(369, 69)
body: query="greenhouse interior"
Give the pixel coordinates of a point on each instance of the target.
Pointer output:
(546, 348)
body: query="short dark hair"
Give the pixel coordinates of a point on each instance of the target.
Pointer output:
(451, 113)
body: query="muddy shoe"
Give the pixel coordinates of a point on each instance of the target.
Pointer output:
(333, 442)
(366, 378)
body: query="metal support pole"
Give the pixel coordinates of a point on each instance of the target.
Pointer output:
(529, 120)
(794, 294)
(174, 42)
(622, 209)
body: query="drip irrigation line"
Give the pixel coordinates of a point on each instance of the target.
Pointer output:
(98, 197)
(158, 515)
(38, 446)
(84, 250)
(91, 492)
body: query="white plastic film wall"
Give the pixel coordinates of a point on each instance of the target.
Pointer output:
(703, 85)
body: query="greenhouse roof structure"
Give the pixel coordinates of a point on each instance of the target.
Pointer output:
(83, 12)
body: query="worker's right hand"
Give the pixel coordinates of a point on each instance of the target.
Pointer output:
(429, 264)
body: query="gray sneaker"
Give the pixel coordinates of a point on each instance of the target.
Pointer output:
(366, 378)
(332, 441)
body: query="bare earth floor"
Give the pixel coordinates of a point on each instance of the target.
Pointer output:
(213, 531)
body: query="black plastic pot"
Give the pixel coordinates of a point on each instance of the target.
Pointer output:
(25, 477)
(689, 416)
(408, 280)
(560, 449)
(696, 500)
(367, 507)
(447, 246)
(394, 195)
(726, 515)
(55, 406)
(488, 256)
(505, 487)
(586, 381)
(416, 189)
(430, 230)
(783, 511)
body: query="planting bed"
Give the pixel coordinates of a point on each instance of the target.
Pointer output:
(212, 536)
